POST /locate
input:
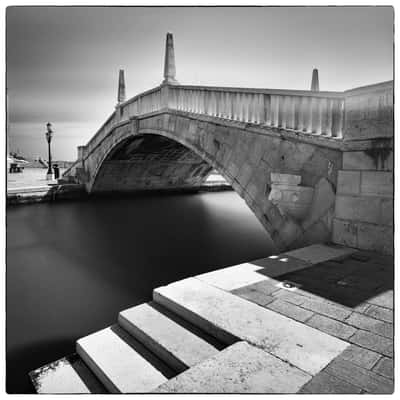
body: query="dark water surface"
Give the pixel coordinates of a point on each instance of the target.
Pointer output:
(72, 266)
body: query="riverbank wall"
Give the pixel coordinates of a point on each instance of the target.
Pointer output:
(49, 193)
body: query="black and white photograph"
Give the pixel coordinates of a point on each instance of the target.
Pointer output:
(199, 199)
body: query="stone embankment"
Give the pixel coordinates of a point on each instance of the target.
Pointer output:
(313, 320)
(37, 194)
(55, 192)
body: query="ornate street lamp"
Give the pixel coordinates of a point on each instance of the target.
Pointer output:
(49, 135)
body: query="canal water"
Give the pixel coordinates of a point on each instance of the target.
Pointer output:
(73, 265)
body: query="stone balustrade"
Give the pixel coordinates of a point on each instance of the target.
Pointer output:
(319, 113)
(337, 115)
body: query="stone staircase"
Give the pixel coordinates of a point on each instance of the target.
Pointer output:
(196, 336)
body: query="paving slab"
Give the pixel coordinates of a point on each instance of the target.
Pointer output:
(176, 345)
(253, 295)
(229, 317)
(69, 375)
(385, 367)
(118, 362)
(324, 383)
(358, 355)
(373, 342)
(318, 253)
(381, 313)
(276, 265)
(383, 299)
(364, 379)
(240, 368)
(331, 326)
(235, 277)
(290, 310)
(371, 325)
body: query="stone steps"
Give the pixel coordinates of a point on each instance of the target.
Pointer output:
(121, 363)
(175, 344)
(69, 375)
(240, 368)
(231, 318)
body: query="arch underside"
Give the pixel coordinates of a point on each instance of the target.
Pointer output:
(150, 162)
(171, 151)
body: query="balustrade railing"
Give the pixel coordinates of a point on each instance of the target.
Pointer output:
(318, 113)
(313, 113)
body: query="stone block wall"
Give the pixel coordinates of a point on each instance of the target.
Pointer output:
(364, 201)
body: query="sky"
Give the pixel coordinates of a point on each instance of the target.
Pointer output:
(63, 62)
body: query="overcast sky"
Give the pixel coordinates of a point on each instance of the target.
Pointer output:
(63, 62)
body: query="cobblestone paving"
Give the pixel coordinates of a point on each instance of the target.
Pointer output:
(351, 299)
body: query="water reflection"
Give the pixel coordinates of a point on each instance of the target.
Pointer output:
(72, 266)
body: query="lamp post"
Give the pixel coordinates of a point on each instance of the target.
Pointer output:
(49, 135)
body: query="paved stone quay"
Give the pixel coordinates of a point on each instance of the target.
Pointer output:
(313, 320)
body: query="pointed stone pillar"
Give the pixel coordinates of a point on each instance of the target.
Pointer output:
(315, 81)
(121, 86)
(169, 63)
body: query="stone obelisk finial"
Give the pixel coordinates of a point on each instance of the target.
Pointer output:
(169, 64)
(315, 81)
(121, 86)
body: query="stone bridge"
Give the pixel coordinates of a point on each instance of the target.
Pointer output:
(313, 166)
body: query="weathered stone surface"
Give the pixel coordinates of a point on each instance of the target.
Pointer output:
(344, 232)
(68, 375)
(369, 112)
(375, 237)
(381, 313)
(331, 326)
(235, 277)
(377, 183)
(289, 296)
(287, 179)
(325, 308)
(357, 208)
(174, 344)
(293, 201)
(360, 160)
(290, 310)
(383, 299)
(371, 341)
(360, 356)
(364, 379)
(228, 317)
(323, 200)
(349, 182)
(385, 367)
(387, 212)
(241, 368)
(118, 365)
(253, 295)
(277, 265)
(370, 324)
(318, 253)
(324, 383)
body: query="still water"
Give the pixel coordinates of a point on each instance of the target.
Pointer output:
(72, 266)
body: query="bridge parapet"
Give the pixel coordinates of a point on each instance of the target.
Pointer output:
(319, 113)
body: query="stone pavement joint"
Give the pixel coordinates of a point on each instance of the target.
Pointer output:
(331, 326)
(372, 342)
(227, 317)
(240, 368)
(325, 383)
(362, 357)
(364, 379)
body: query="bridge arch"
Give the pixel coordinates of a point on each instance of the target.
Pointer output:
(243, 156)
